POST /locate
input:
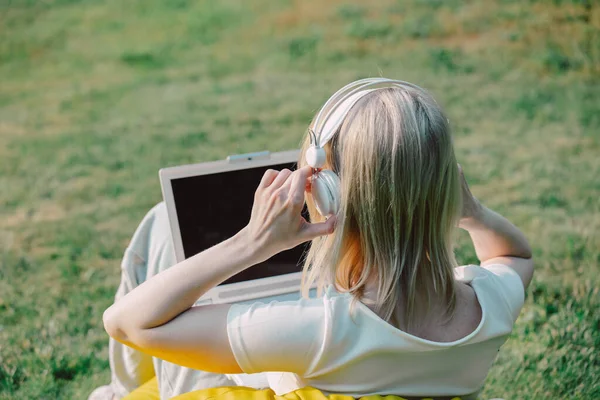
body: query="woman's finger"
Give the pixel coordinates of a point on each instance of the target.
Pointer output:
(268, 178)
(297, 183)
(280, 179)
(311, 231)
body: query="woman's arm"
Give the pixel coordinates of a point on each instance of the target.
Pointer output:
(496, 239)
(495, 236)
(157, 317)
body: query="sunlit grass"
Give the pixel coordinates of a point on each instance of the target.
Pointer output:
(95, 97)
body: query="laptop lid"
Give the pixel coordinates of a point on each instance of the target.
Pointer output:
(210, 202)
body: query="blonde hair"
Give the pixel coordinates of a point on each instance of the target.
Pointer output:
(400, 203)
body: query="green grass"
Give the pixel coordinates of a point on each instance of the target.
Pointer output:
(95, 97)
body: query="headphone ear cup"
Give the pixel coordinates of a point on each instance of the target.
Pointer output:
(326, 192)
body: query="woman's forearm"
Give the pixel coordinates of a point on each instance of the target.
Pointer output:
(495, 236)
(173, 291)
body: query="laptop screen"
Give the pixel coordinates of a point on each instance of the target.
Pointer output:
(212, 208)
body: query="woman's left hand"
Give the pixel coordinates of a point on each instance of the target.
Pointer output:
(276, 223)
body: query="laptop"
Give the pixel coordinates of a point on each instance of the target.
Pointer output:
(210, 202)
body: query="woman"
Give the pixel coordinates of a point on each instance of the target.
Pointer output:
(395, 315)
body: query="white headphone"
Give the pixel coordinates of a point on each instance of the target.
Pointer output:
(325, 183)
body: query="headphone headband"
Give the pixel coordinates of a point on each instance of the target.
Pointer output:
(325, 183)
(332, 114)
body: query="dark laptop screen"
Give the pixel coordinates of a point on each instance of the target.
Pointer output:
(212, 208)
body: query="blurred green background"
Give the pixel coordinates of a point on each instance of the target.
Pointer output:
(96, 96)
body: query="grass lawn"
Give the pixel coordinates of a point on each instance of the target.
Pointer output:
(96, 96)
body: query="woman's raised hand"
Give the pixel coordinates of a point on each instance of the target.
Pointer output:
(276, 223)
(471, 207)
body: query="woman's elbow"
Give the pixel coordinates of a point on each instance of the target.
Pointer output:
(125, 333)
(112, 325)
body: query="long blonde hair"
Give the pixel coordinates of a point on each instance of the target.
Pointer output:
(400, 203)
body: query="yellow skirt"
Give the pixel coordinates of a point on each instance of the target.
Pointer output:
(149, 391)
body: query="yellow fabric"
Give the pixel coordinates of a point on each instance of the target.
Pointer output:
(148, 391)
(244, 393)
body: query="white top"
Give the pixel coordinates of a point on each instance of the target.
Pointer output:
(319, 343)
